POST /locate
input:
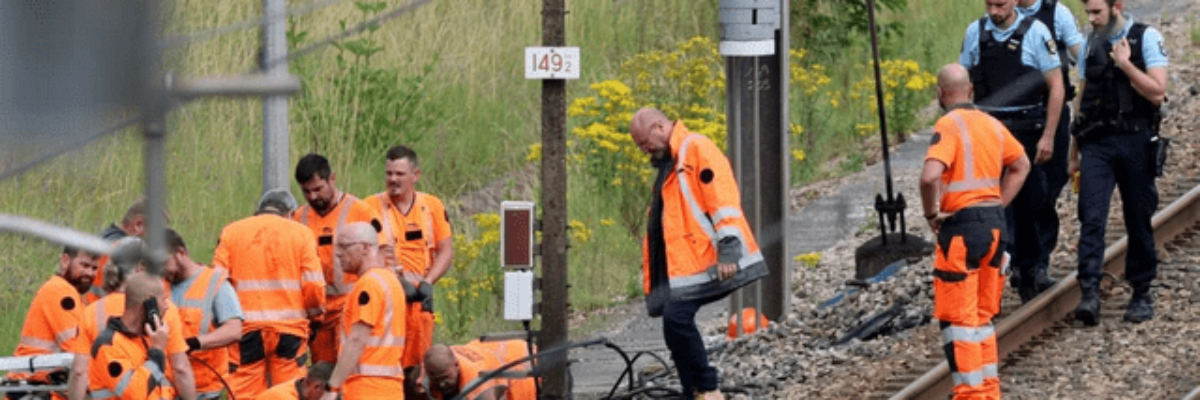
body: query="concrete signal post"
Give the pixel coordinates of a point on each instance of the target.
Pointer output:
(754, 41)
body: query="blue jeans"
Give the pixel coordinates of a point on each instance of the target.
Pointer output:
(687, 347)
(1121, 160)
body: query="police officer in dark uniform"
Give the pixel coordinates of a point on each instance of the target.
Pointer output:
(1015, 68)
(1068, 42)
(1115, 142)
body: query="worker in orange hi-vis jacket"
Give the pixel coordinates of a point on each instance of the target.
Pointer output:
(974, 168)
(310, 387)
(272, 263)
(125, 357)
(127, 260)
(211, 312)
(368, 365)
(54, 314)
(416, 228)
(450, 369)
(328, 210)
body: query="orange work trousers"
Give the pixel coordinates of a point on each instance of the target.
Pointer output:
(418, 333)
(265, 358)
(967, 286)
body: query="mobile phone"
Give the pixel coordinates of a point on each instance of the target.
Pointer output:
(150, 306)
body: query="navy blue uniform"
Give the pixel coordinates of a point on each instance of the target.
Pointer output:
(1116, 144)
(1008, 69)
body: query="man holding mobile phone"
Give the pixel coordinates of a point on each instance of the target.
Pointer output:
(126, 357)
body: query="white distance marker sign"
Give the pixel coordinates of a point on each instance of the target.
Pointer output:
(551, 63)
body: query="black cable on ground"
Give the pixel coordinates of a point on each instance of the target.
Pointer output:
(214, 371)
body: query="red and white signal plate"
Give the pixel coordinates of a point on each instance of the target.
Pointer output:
(552, 63)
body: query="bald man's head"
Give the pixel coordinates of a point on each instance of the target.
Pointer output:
(651, 131)
(141, 286)
(442, 369)
(357, 247)
(954, 85)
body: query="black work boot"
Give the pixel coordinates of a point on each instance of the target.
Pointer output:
(1141, 305)
(1088, 310)
(1027, 287)
(1042, 279)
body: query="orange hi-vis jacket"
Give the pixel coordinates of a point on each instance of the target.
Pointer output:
(122, 366)
(701, 206)
(289, 390)
(325, 227)
(272, 263)
(113, 305)
(52, 320)
(377, 300)
(196, 309)
(973, 162)
(413, 236)
(479, 358)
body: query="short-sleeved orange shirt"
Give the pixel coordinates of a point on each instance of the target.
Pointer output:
(377, 301)
(415, 235)
(975, 149)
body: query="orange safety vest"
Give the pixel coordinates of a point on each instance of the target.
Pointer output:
(480, 358)
(701, 206)
(272, 263)
(122, 369)
(53, 319)
(413, 253)
(196, 309)
(378, 300)
(975, 148)
(337, 282)
(289, 390)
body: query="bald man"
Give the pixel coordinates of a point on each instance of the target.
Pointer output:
(368, 366)
(451, 368)
(696, 213)
(973, 169)
(126, 358)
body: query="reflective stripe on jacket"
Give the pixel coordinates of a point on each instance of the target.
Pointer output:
(378, 301)
(272, 263)
(53, 319)
(414, 254)
(121, 367)
(196, 309)
(702, 206)
(975, 148)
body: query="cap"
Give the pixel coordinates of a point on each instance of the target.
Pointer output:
(277, 200)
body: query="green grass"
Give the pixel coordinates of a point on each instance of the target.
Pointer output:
(490, 114)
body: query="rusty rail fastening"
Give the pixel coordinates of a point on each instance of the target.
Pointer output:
(1031, 319)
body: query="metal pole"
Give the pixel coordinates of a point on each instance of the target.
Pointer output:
(275, 108)
(887, 164)
(154, 106)
(554, 199)
(779, 295)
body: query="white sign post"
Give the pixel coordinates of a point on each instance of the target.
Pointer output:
(552, 63)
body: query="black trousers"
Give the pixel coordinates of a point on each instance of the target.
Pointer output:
(1125, 161)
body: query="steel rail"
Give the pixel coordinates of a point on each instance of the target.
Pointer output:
(1193, 395)
(1031, 319)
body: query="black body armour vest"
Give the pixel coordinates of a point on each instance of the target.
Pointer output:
(1046, 15)
(1109, 99)
(1000, 78)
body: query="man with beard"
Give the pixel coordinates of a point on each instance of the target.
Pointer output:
(1115, 144)
(54, 315)
(328, 210)
(212, 316)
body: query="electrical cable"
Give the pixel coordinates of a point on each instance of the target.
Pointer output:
(361, 26)
(67, 147)
(213, 33)
(228, 390)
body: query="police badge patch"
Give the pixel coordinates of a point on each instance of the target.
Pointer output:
(1050, 47)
